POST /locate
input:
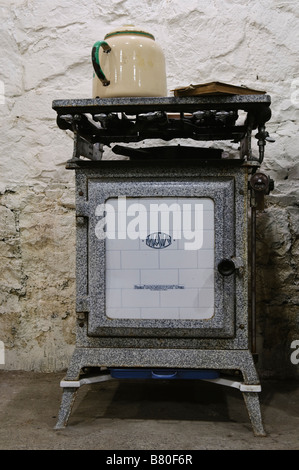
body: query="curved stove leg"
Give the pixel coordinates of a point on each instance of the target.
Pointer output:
(68, 398)
(252, 403)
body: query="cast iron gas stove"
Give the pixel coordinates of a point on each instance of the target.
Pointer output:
(165, 279)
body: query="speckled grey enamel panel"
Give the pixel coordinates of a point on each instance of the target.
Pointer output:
(223, 188)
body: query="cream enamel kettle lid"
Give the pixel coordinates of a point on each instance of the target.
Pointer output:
(128, 62)
(129, 29)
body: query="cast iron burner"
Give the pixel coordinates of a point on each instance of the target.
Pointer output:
(99, 122)
(169, 152)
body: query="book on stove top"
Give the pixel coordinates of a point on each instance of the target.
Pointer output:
(215, 88)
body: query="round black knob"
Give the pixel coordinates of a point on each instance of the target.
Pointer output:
(260, 182)
(226, 267)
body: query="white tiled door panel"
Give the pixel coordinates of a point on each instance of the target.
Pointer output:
(163, 267)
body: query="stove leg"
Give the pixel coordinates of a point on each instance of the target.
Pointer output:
(254, 411)
(68, 398)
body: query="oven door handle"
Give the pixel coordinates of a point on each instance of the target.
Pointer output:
(164, 375)
(228, 266)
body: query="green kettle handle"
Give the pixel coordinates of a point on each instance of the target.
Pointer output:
(96, 61)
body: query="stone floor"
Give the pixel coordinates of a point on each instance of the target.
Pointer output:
(143, 415)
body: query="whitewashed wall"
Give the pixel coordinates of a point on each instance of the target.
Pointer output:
(45, 55)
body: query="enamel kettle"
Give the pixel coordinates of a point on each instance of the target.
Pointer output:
(128, 62)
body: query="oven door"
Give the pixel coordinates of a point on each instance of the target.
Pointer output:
(153, 254)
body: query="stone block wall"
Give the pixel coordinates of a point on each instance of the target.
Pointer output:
(45, 55)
